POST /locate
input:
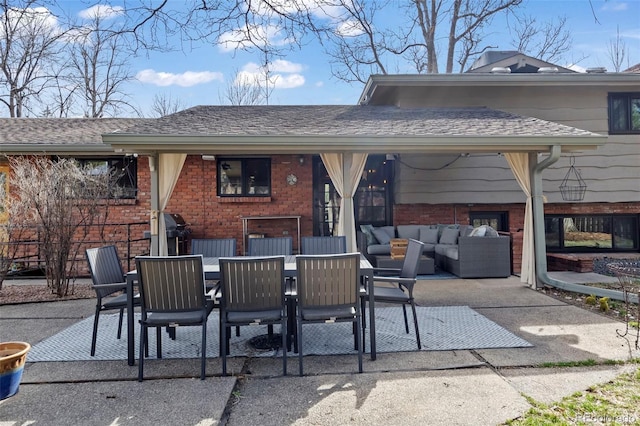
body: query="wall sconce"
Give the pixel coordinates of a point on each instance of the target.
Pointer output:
(301, 160)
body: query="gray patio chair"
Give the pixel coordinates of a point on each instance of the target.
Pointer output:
(403, 279)
(172, 294)
(328, 289)
(278, 246)
(252, 294)
(324, 245)
(214, 247)
(108, 279)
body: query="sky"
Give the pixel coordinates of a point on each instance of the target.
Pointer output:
(200, 75)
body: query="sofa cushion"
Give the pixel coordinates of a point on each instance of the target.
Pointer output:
(390, 232)
(379, 249)
(428, 248)
(367, 230)
(447, 250)
(465, 230)
(409, 231)
(429, 235)
(449, 236)
(382, 235)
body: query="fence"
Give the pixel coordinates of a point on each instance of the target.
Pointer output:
(26, 253)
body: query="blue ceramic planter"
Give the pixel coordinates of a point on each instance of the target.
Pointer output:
(13, 356)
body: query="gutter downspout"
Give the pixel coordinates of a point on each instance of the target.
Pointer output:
(539, 235)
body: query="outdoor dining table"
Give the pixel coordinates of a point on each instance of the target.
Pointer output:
(212, 272)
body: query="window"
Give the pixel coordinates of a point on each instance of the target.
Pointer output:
(591, 233)
(497, 220)
(624, 113)
(372, 199)
(247, 177)
(125, 173)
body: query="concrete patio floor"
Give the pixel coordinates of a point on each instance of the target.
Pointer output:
(464, 387)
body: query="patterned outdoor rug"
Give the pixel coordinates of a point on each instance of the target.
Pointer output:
(439, 275)
(441, 328)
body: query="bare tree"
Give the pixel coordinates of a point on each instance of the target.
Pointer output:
(99, 63)
(63, 200)
(29, 46)
(367, 45)
(242, 89)
(547, 41)
(164, 104)
(617, 51)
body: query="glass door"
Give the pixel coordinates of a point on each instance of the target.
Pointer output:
(373, 200)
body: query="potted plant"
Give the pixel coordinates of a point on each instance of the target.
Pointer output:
(13, 356)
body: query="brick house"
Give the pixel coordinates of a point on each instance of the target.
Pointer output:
(436, 147)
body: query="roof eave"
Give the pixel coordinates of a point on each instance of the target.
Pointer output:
(56, 149)
(226, 145)
(488, 79)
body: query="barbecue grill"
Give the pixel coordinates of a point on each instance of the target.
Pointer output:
(177, 234)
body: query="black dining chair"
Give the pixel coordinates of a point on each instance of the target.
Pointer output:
(328, 288)
(110, 285)
(172, 293)
(324, 245)
(253, 294)
(399, 285)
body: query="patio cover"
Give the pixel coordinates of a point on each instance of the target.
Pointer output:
(342, 129)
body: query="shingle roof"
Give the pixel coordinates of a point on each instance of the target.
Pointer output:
(347, 120)
(60, 131)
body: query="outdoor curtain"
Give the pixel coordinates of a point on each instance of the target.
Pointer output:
(519, 163)
(169, 168)
(345, 171)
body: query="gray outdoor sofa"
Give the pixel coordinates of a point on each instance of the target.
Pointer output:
(460, 249)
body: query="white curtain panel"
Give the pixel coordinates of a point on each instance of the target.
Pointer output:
(519, 163)
(345, 171)
(169, 168)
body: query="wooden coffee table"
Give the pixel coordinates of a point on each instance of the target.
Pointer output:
(426, 266)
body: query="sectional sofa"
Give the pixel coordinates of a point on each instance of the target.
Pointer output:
(463, 250)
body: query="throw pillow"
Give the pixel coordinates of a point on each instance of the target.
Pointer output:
(449, 236)
(368, 231)
(381, 235)
(480, 231)
(429, 235)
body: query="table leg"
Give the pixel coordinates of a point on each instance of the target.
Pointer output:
(131, 356)
(372, 316)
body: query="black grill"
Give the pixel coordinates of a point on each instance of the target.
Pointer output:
(177, 234)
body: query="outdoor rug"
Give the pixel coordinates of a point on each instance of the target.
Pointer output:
(441, 328)
(439, 275)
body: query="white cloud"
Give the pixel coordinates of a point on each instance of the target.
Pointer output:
(185, 79)
(101, 11)
(38, 19)
(260, 35)
(350, 28)
(615, 6)
(282, 74)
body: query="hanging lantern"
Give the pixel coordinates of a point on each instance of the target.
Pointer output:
(573, 186)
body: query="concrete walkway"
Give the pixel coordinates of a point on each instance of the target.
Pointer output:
(468, 387)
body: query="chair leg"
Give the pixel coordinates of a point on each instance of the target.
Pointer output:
(285, 337)
(237, 331)
(120, 323)
(203, 362)
(143, 347)
(406, 322)
(95, 330)
(300, 344)
(360, 345)
(415, 322)
(158, 342)
(223, 346)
